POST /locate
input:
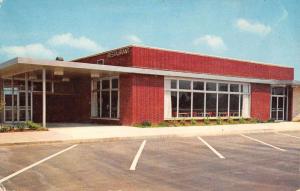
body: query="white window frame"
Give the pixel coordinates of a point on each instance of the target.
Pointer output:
(204, 91)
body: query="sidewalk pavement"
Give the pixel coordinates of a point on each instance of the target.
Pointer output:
(92, 133)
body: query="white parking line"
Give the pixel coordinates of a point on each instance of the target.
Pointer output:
(35, 164)
(288, 136)
(211, 148)
(263, 143)
(137, 156)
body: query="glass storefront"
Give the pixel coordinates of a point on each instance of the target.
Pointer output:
(198, 99)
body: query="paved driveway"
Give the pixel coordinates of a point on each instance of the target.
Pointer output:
(266, 161)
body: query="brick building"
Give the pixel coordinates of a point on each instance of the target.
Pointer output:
(133, 84)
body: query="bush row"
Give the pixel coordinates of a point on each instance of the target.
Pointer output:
(206, 121)
(28, 125)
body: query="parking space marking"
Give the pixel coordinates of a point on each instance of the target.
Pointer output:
(288, 135)
(211, 148)
(267, 144)
(137, 156)
(35, 164)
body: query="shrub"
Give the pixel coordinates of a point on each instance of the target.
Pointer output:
(146, 124)
(20, 126)
(182, 122)
(219, 121)
(253, 120)
(206, 121)
(242, 120)
(163, 124)
(271, 121)
(4, 129)
(193, 122)
(230, 121)
(32, 125)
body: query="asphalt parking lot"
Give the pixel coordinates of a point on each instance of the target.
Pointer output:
(267, 161)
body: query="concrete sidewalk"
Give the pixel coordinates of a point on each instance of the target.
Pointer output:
(90, 133)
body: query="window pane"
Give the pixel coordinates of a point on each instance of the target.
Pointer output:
(274, 115)
(234, 88)
(223, 87)
(105, 103)
(115, 83)
(8, 100)
(198, 85)
(234, 105)
(274, 102)
(105, 84)
(114, 104)
(223, 105)
(8, 115)
(211, 86)
(245, 88)
(198, 104)
(22, 99)
(278, 91)
(184, 84)
(22, 115)
(173, 84)
(174, 103)
(184, 104)
(211, 105)
(280, 102)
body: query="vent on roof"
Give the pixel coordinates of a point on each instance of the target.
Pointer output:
(58, 58)
(100, 61)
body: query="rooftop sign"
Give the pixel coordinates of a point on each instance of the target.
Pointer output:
(118, 52)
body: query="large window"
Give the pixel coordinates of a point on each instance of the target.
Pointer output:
(186, 98)
(105, 98)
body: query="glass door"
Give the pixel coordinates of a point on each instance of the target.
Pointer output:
(278, 104)
(10, 105)
(18, 105)
(278, 108)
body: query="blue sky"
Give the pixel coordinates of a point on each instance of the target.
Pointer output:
(266, 31)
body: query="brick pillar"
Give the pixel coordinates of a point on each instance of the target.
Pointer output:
(141, 99)
(260, 101)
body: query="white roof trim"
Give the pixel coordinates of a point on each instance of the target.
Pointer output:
(135, 70)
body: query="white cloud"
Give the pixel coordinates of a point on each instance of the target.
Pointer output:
(253, 27)
(133, 39)
(82, 42)
(213, 41)
(1, 2)
(31, 50)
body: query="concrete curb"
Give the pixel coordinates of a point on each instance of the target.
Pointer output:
(111, 139)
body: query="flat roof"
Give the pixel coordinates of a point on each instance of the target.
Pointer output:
(184, 52)
(21, 65)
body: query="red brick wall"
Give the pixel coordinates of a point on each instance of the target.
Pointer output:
(126, 99)
(142, 99)
(260, 101)
(170, 60)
